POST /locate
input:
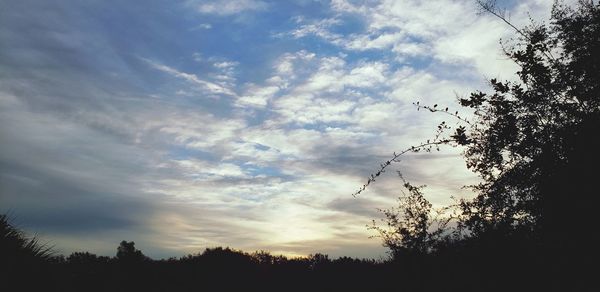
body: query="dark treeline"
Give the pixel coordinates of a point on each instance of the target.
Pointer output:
(28, 266)
(479, 264)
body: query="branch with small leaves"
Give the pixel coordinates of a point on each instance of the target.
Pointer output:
(459, 138)
(435, 109)
(427, 146)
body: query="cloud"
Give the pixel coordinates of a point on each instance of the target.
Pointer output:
(202, 26)
(361, 207)
(414, 29)
(257, 96)
(320, 28)
(366, 42)
(203, 170)
(305, 96)
(57, 182)
(228, 7)
(209, 87)
(201, 131)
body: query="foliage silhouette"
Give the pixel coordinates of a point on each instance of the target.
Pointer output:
(534, 141)
(534, 144)
(15, 244)
(23, 258)
(409, 227)
(523, 134)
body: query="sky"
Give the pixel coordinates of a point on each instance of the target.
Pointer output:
(182, 125)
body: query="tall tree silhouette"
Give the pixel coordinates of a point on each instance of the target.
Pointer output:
(534, 142)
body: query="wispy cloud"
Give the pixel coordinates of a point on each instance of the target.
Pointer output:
(414, 29)
(228, 7)
(208, 86)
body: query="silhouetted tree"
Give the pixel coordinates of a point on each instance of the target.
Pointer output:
(263, 257)
(318, 260)
(127, 253)
(533, 141)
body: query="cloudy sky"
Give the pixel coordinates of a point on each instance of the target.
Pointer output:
(182, 125)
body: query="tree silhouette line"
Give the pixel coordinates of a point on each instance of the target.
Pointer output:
(26, 265)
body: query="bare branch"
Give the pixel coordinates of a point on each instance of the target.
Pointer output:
(395, 157)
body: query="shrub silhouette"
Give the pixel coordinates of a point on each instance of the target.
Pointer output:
(16, 246)
(23, 258)
(407, 228)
